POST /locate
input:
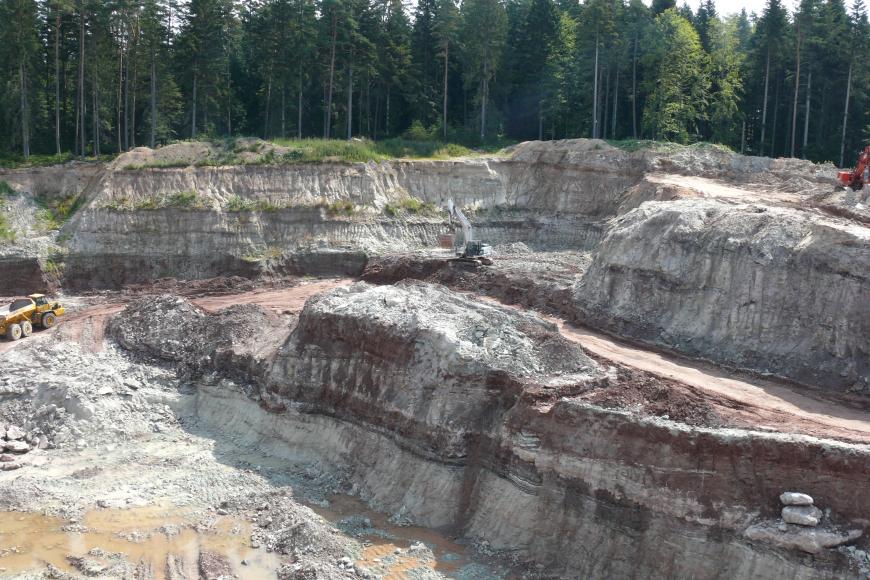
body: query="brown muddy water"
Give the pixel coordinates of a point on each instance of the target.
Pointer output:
(147, 534)
(150, 534)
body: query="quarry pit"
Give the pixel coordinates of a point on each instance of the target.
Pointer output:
(282, 376)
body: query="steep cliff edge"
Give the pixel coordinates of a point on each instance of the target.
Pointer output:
(487, 422)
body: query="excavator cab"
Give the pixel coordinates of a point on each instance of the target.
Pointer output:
(473, 251)
(860, 176)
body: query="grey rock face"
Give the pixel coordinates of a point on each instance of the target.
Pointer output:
(749, 286)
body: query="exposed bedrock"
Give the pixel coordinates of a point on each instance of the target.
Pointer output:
(475, 418)
(765, 287)
(21, 275)
(753, 286)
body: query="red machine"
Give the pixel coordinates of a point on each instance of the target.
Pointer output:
(857, 178)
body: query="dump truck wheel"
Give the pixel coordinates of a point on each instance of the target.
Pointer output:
(26, 328)
(13, 332)
(48, 320)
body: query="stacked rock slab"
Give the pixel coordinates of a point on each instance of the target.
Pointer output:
(799, 509)
(13, 444)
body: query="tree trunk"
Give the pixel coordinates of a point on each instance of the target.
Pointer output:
(268, 107)
(807, 115)
(83, 131)
(350, 97)
(120, 98)
(25, 125)
(634, 89)
(127, 103)
(57, 78)
(444, 105)
(387, 117)
(614, 116)
(775, 117)
(743, 137)
(484, 96)
(133, 104)
(606, 102)
(95, 115)
(595, 92)
(846, 113)
(283, 111)
(153, 99)
(193, 105)
(327, 116)
(764, 105)
(797, 85)
(299, 107)
(540, 120)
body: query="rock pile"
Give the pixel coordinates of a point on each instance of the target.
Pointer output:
(799, 509)
(805, 535)
(16, 442)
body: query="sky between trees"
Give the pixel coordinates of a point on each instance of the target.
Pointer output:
(93, 77)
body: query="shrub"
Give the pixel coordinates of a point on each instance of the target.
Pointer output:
(345, 207)
(7, 234)
(146, 204)
(188, 199)
(410, 205)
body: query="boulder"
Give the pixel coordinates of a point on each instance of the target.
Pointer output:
(803, 515)
(16, 446)
(14, 433)
(807, 540)
(795, 498)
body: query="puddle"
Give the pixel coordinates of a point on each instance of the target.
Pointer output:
(147, 534)
(384, 538)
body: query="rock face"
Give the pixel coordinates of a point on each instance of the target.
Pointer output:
(770, 281)
(744, 285)
(474, 418)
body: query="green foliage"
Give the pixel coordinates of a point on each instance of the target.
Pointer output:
(678, 97)
(477, 73)
(188, 199)
(54, 212)
(240, 204)
(6, 189)
(182, 200)
(342, 207)
(411, 205)
(7, 234)
(267, 253)
(17, 162)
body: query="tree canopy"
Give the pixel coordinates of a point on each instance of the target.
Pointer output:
(90, 77)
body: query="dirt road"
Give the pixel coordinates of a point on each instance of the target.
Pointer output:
(767, 405)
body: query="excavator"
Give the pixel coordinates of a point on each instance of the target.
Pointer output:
(473, 251)
(860, 176)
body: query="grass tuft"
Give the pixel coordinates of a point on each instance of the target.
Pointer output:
(411, 205)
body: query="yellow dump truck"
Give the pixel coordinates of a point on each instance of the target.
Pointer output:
(17, 319)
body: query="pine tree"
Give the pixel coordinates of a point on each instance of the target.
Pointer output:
(446, 31)
(484, 24)
(678, 88)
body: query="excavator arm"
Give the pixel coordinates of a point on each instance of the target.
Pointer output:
(456, 213)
